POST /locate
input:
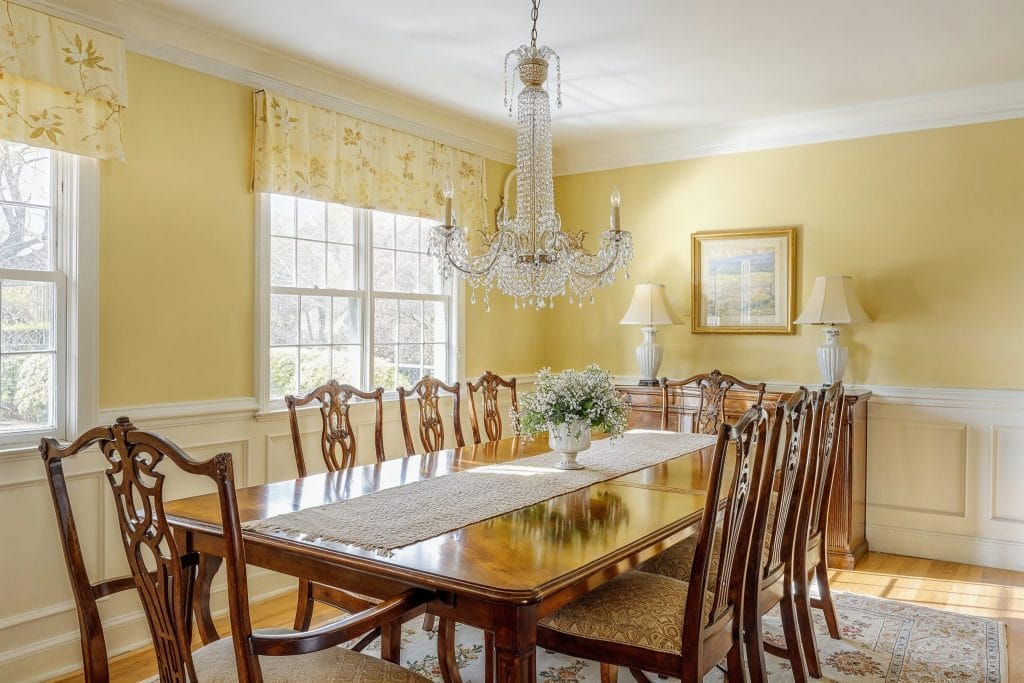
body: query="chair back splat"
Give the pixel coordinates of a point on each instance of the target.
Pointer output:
(488, 387)
(714, 387)
(337, 437)
(428, 392)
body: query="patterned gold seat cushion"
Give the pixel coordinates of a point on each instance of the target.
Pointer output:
(215, 663)
(635, 608)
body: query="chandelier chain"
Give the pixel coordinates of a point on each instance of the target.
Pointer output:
(534, 14)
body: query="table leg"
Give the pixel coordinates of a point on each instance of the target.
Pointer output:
(208, 566)
(515, 645)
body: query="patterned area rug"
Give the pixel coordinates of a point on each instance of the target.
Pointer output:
(882, 640)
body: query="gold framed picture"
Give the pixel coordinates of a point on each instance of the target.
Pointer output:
(744, 281)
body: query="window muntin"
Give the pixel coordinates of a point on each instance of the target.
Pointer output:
(353, 296)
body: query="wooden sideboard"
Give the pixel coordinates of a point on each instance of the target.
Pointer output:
(846, 540)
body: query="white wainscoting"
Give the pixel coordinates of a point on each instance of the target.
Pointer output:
(38, 625)
(944, 473)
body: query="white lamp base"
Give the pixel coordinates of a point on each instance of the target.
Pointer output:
(832, 357)
(648, 355)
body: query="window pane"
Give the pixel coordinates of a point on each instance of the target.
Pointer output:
(314, 324)
(27, 316)
(345, 364)
(346, 321)
(430, 276)
(24, 237)
(410, 358)
(314, 367)
(384, 374)
(312, 267)
(283, 371)
(410, 322)
(340, 266)
(26, 391)
(284, 319)
(282, 262)
(435, 360)
(25, 173)
(384, 270)
(339, 223)
(407, 233)
(312, 219)
(385, 320)
(282, 215)
(435, 322)
(383, 230)
(406, 271)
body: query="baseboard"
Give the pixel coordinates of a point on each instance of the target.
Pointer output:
(937, 545)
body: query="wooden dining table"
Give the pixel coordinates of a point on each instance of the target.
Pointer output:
(502, 574)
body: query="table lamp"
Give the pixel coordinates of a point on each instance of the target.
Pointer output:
(832, 302)
(649, 307)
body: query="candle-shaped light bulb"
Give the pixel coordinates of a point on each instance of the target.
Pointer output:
(449, 192)
(616, 198)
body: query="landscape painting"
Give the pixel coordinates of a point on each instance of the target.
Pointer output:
(743, 281)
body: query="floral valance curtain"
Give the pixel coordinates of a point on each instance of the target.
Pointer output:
(62, 85)
(311, 152)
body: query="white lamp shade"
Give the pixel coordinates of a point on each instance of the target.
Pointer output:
(649, 307)
(833, 301)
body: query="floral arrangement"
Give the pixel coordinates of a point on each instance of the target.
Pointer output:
(571, 396)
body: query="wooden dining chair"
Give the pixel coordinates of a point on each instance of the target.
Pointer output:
(809, 552)
(337, 437)
(85, 592)
(164, 573)
(489, 385)
(338, 448)
(714, 388)
(770, 581)
(430, 425)
(649, 622)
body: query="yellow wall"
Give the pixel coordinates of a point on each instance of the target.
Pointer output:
(930, 225)
(177, 250)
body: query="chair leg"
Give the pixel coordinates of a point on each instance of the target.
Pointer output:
(488, 656)
(428, 622)
(752, 639)
(304, 608)
(789, 628)
(446, 659)
(640, 676)
(609, 673)
(825, 591)
(802, 604)
(734, 660)
(391, 642)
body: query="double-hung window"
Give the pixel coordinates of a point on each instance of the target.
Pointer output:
(47, 367)
(352, 295)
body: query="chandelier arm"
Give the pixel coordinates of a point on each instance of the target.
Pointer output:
(612, 265)
(495, 252)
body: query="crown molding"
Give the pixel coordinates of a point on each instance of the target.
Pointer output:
(984, 104)
(164, 36)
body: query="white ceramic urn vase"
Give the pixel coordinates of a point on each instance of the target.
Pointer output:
(569, 438)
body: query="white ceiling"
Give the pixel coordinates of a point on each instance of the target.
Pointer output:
(649, 70)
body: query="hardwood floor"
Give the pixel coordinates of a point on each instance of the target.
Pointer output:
(996, 593)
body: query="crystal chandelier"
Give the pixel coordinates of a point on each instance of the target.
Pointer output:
(529, 257)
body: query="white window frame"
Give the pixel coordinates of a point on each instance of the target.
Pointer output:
(75, 230)
(362, 224)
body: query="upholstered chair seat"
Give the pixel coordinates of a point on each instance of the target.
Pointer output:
(634, 608)
(215, 663)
